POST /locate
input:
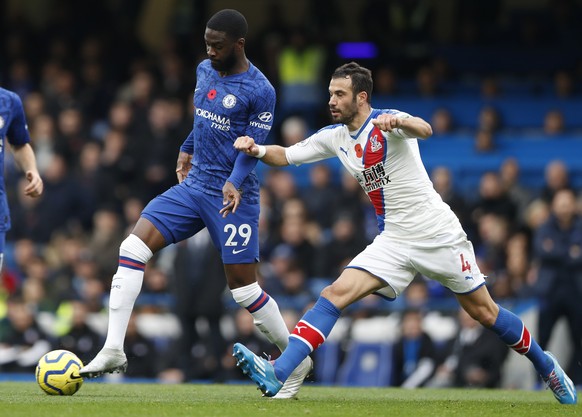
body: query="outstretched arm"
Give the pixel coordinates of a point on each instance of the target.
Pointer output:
(273, 155)
(413, 127)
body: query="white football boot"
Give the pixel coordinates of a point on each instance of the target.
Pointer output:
(107, 361)
(291, 387)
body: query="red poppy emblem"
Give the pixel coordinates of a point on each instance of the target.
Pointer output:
(211, 94)
(359, 150)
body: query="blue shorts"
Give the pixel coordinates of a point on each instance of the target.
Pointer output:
(182, 212)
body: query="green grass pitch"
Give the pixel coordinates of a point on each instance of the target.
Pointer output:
(96, 399)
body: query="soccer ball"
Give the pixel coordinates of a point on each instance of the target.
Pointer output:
(57, 373)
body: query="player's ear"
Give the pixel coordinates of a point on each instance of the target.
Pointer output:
(362, 97)
(240, 43)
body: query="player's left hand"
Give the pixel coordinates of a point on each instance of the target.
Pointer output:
(35, 185)
(231, 199)
(183, 165)
(387, 122)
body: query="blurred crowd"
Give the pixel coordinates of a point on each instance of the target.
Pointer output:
(106, 119)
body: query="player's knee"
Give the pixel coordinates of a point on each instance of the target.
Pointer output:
(135, 248)
(483, 314)
(337, 296)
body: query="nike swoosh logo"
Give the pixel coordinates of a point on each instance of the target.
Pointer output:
(234, 251)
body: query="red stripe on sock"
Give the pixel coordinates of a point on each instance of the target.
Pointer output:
(309, 334)
(524, 343)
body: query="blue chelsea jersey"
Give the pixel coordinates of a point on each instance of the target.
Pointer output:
(224, 109)
(12, 127)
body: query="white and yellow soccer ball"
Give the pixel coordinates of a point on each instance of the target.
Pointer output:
(57, 373)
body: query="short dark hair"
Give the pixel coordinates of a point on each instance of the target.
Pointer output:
(361, 78)
(230, 21)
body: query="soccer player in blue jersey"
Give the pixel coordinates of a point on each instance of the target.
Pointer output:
(218, 189)
(14, 128)
(418, 232)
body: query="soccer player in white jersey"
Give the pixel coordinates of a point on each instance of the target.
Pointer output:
(218, 189)
(418, 232)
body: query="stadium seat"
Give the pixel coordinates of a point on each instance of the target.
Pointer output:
(327, 359)
(367, 365)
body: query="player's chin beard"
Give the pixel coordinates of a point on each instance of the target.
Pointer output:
(226, 65)
(345, 119)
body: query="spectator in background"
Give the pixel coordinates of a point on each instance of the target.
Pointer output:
(22, 341)
(418, 294)
(343, 245)
(558, 251)
(509, 174)
(65, 205)
(442, 122)
(489, 120)
(427, 82)
(300, 65)
(490, 87)
(293, 129)
(414, 354)
(71, 134)
(493, 199)
(141, 350)
(34, 105)
(281, 186)
(103, 242)
(293, 232)
(563, 84)
(475, 358)
(43, 136)
(485, 141)
(385, 82)
(536, 214)
(197, 284)
(513, 281)
(442, 181)
(244, 331)
(554, 123)
(556, 178)
(493, 231)
(77, 336)
(320, 195)
(117, 176)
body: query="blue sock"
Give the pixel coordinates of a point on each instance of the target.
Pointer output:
(308, 335)
(512, 331)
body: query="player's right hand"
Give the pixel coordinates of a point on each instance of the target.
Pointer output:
(35, 185)
(183, 165)
(247, 145)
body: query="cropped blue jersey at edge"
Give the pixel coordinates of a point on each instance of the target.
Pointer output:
(12, 126)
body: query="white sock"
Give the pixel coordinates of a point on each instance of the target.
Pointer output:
(265, 312)
(125, 287)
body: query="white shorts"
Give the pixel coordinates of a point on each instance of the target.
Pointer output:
(448, 258)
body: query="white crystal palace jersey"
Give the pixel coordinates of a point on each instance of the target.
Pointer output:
(389, 168)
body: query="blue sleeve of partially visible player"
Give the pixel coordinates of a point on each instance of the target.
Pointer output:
(18, 130)
(260, 123)
(188, 145)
